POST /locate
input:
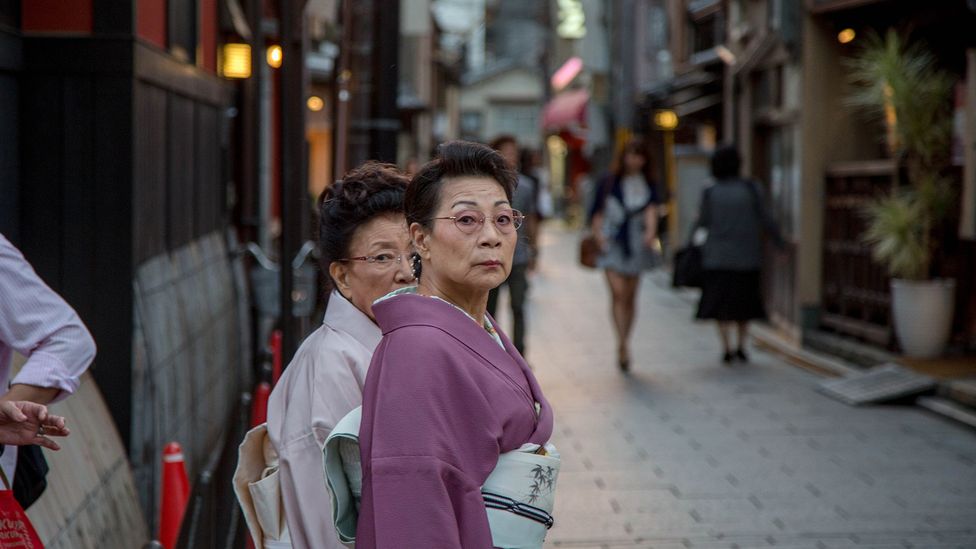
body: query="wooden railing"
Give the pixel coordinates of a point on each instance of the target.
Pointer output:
(856, 298)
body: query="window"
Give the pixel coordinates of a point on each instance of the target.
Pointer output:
(520, 120)
(471, 124)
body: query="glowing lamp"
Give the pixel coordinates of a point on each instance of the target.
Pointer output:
(274, 56)
(235, 61)
(666, 120)
(846, 36)
(315, 103)
(566, 73)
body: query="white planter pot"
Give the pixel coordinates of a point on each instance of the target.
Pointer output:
(922, 313)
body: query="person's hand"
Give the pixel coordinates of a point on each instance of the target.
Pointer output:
(601, 240)
(23, 423)
(650, 240)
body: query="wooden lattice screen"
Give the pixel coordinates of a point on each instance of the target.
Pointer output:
(856, 296)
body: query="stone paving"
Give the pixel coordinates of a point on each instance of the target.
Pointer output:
(686, 452)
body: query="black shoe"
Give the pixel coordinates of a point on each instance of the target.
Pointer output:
(727, 358)
(741, 355)
(624, 365)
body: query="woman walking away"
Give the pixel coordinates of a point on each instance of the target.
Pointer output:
(447, 394)
(366, 253)
(735, 215)
(624, 220)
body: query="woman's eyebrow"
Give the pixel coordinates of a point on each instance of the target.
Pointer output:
(475, 204)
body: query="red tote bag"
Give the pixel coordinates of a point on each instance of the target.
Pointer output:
(16, 530)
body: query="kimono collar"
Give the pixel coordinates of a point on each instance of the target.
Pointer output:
(411, 309)
(341, 315)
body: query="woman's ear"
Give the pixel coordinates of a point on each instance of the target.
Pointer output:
(419, 236)
(339, 271)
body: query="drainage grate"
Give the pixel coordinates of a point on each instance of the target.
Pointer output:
(879, 384)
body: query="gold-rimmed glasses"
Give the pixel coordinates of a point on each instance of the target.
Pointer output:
(383, 260)
(470, 221)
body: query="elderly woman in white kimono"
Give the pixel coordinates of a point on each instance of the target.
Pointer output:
(366, 250)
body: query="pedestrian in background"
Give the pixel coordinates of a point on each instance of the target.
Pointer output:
(37, 323)
(623, 218)
(530, 165)
(365, 248)
(735, 215)
(525, 201)
(447, 393)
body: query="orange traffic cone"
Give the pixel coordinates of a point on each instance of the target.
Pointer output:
(175, 495)
(259, 406)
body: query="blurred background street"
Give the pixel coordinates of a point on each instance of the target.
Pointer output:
(161, 163)
(688, 452)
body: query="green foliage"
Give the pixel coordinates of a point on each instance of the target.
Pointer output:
(897, 233)
(901, 83)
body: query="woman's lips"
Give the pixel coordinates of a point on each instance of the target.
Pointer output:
(490, 263)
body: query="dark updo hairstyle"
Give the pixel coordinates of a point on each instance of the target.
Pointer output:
(726, 162)
(454, 159)
(368, 191)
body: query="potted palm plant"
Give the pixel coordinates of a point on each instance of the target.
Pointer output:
(901, 83)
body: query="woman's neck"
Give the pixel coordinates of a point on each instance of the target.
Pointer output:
(473, 303)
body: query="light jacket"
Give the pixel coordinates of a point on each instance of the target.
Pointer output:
(321, 385)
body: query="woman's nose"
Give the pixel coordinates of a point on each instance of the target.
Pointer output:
(490, 235)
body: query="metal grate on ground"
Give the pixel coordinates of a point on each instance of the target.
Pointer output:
(880, 384)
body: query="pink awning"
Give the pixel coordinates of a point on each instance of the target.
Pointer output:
(567, 109)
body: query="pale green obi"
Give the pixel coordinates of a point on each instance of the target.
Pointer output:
(519, 493)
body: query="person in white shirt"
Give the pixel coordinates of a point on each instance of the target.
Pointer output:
(37, 323)
(366, 249)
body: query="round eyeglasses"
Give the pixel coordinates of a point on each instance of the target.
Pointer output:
(468, 222)
(382, 260)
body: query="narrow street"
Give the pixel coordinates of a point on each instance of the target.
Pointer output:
(685, 452)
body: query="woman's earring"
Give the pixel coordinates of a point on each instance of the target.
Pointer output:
(415, 265)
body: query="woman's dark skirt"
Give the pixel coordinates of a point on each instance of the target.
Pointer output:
(731, 296)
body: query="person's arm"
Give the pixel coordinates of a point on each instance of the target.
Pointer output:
(37, 323)
(650, 224)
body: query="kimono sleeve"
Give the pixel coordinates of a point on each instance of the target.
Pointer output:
(429, 439)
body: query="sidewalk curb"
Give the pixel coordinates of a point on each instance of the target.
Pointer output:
(826, 366)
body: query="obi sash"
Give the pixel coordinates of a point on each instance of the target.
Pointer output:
(519, 494)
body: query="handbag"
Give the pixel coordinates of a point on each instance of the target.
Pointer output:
(30, 475)
(258, 489)
(688, 270)
(16, 530)
(589, 251)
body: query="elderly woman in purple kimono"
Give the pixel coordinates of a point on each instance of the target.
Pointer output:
(446, 393)
(365, 249)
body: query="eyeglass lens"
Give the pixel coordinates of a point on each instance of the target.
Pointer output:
(506, 221)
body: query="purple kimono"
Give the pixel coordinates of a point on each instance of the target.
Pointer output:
(442, 401)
